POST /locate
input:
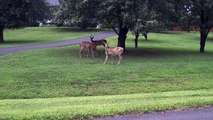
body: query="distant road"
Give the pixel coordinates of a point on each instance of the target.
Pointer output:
(192, 114)
(4, 51)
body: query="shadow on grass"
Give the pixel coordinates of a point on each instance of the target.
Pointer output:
(74, 52)
(135, 52)
(169, 32)
(152, 41)
(210, 39)
(159, 52)
(17, 42)
(142, 41)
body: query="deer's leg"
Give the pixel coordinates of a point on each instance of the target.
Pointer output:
(88, 52)
(80, 51)
(106, 59)
(119, 59)
(111, 59)
(98, 53)
(93, 52)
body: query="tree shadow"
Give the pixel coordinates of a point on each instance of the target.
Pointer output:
(168, 32)
(74, 52)
(144, 52)
(17, 42)
(133, 53)
(152, 41)
(210, 39)
(160, 52)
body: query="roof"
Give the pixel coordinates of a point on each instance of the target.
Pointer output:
(53, 2)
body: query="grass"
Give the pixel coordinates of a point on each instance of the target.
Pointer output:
(90, 107)
(47, 81)
(37, 35)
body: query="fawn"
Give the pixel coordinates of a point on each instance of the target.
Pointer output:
(117, 51)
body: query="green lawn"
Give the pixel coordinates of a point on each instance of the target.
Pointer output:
(67, 108)
(37, 35)
(165, 72)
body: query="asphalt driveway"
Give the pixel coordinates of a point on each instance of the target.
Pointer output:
(4, 51)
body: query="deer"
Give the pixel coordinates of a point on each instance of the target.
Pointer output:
(117, 51)
(97, 42)
(87, 45)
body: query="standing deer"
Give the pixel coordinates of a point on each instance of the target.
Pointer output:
(88, 45)
(117, 51)
(98, 42)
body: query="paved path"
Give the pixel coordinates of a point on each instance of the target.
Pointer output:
(4, 51)
(192, 114)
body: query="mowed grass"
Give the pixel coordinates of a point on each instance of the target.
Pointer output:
(166, 64)
(37, 35)
(67, 108)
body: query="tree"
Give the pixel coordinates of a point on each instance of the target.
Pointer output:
(146, 19)
(203, 9)
(194, 12)
(150, 25)
(119, 15)
(140, 17)
(19, 13)
(198, 13)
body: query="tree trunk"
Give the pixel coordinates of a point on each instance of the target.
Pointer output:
(188, 25)
(136, 38)
(145, 34)
(1, 34)
(122, 37)
(203, 37)
(204, 28)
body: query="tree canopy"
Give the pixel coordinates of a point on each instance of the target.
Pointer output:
(76, 13)
(19, 13)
